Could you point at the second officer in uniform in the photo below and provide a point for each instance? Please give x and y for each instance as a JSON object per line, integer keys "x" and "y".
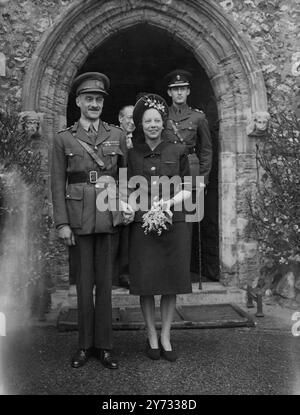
{"x": 187, "y": 125}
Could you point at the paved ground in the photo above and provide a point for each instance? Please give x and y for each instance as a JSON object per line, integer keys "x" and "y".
{"x": 261, "y": 360}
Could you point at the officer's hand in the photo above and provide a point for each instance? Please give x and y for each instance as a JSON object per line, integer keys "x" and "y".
{"x": 128, "y": 212}
{"x": 126, "y": 208}
{"x": 66, "y": 235}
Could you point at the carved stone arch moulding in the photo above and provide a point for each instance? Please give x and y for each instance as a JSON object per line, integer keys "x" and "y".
{"x": 203, "y": 28}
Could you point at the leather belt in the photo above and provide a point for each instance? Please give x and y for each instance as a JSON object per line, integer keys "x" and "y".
{"x": 89, "y": 177}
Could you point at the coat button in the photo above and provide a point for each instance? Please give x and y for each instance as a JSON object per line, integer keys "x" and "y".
{"x": 96, "y": 148}
{"x": 175, "y": 142}
{"x": 153, "y": 168}
{"x": 113, "y": 153}
{"x": 71, "y": 154}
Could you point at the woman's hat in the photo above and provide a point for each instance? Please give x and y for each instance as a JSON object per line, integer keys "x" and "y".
{"x": 150, "y": 101}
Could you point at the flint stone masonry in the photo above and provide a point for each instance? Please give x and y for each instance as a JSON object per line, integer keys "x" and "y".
{"x": 248, "y": 49}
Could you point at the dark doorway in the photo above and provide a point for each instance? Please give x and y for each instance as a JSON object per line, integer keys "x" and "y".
{"x": 137, "y": 60}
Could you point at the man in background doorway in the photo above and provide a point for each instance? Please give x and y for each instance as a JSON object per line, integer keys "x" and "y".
{"x": 127, "y": 125}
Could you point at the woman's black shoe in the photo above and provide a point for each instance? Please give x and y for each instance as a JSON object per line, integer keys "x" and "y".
{"x": 169, "y": 355}
{"x": 153, "y": 354}
{"x": 81, "y": 357}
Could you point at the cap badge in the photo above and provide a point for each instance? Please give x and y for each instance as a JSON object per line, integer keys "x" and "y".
{"x": 178, "y": 77}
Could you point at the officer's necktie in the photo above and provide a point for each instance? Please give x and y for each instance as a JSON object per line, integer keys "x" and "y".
{"x": 92, "y": 133}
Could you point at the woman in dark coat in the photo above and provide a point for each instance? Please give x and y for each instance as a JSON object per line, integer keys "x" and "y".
{"x": 159, "y": 263}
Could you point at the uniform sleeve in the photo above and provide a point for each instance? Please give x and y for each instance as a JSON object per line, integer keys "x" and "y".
{"x": 204, "y": 148}
{"x": 122, "y": 162}
{"x": 58, "y": 182}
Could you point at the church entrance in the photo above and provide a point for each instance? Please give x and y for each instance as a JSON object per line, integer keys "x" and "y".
{"x": 136, "y": 43}
{"x": 137, "y": 60}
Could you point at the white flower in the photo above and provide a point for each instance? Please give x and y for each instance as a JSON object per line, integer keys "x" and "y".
{"x": 156, "y": 219}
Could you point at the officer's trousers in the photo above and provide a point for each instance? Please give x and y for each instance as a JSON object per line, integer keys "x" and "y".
{"x": 96, "y": 256}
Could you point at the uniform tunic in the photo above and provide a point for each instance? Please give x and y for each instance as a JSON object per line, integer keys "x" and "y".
{"x": 190, "y": 127}
{"x": 159, "y": 264}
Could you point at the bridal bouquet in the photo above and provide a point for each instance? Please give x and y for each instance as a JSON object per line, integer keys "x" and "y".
{"x": 156, "y": 219}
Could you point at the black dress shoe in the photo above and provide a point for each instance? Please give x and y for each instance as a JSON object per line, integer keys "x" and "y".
{"x": 106, "y": 358}
{"x": 169, "y": 355}
{"x": 81, "y": 357}
{"x": 153, "y": 354}
{"x": 124, "y": 281}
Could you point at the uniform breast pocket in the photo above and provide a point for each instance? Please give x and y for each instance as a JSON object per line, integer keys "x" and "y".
{"x": 169, "y": 167}
{"x": 74, "y": 201}
{"x": 74, "y": 159}
{"x": 190, "y": 132}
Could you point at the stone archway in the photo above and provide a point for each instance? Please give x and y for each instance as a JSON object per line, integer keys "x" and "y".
{"x": 220, "y": 49}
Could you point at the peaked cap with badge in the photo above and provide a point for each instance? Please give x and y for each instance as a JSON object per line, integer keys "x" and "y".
{"x": 178, "y": 77}
{"x": 91, "y": 82}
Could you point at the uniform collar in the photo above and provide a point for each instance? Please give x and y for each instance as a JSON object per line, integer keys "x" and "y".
{"x": 103, "y": 132}
{"x": 180, "y": 109}
{"x": 179, "y": 113}
{"x": 86, "y": 124}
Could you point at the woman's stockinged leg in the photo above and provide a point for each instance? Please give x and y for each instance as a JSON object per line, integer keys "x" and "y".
{"x": 148, "y": 309}
{"x": 167, "y": 308}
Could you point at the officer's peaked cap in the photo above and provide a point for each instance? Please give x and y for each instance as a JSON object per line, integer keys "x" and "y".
{"x": 91, "y": 82}
{"x": 179, "y": 77}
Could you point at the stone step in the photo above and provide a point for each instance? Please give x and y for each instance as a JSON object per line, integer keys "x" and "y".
{"x": 211, "y": 293}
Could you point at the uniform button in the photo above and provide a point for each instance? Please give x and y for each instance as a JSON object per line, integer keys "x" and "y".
{"x": 113, "y": 153}
{"x": 175, "y": 142}
{"x": 68, "y": 196}
{"x": 96, "y": 148}
{"x": 153, "y": 168}
{"x": 71, "y": 154}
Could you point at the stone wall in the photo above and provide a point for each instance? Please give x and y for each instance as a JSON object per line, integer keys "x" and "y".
{"x": 270, "y": 29}
{"x": 269, "y": 25}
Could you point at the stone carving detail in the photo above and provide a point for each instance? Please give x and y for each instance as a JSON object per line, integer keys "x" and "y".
{"x": 30, "y": 122}
{"x": 258, "y": 125}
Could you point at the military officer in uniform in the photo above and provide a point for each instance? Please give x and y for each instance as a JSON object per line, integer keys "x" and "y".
{"x": 187, "y": 125}
{"x": 190, "y": 127}
{"x": 88, "y": 151}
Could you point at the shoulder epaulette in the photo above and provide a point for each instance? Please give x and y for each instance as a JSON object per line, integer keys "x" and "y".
{"x": 65, "y": 129}
{"x": 116, "y": 126}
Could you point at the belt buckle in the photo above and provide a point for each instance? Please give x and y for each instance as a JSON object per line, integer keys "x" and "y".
{"x": 93, "y": 176}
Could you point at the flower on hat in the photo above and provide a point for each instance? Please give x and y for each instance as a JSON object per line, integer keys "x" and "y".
{"x": 153, "y": 103}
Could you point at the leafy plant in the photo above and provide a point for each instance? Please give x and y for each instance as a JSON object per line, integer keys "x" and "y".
{"x": 275, "y": 209}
